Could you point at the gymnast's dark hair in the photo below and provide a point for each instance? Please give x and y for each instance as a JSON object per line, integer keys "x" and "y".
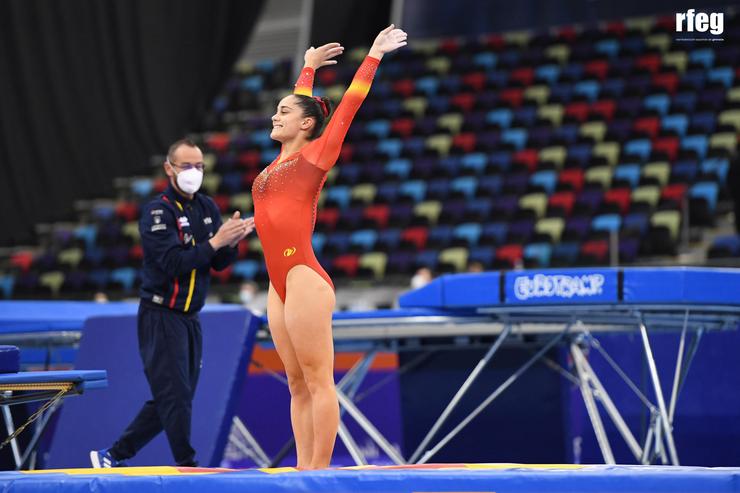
{"x": 312, "y": 108}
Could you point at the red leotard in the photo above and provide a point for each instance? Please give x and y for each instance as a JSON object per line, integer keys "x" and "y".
{"x": 286, "y": 192}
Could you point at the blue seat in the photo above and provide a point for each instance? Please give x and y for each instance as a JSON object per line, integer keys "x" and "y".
{"x": 365, "y": 238}
{"x": 573, "y": 70}
{"x": 568, "y": 132}
{"x": 428, "y": 85}
{"x": 390, "y": 237}
{"x": 491, "y": 184}
{"x": 694, "y": 78}
{"x": 6, "y": 285}
{"x": 526, "y": 115}
{"x": 482, "y": 254}
{"x": 717, "y": 166}
{"x": 588, "y": 88}
{"x": 613, "y": 87}
{"x": 678, "y": 123}
{"x": 608, "y": 47}
{"x": 540, "y": 252}
{"x": 498, "y": 78}
{"x": 470, "y": 232}
{"x": 415, "y": 189}
{"x": 486, "y": 60}
{"x": 318, "y": 240}
{"x": 142, "y": 187}
{"x": 261, "y": 138}
{"x": 252, "y": 83}
{"x": 350, "y": 173}
{"x": 566, "y": 252}
{"x": 391, "y": 108}
{"x": 705, "y": 122}
{"x": 125, "y": 276}
{"x": 606, "y": 222}
{"x": 636, "y": 221}
{"x": 703, "y": 56}
{"x": 580, "y": 152}
{"x": 628, "y": 172}
{"x": 480, "y": 207}
{"x": 390, "y": 147}
{"x": 685, "y": 101}
{"x": 639, "y": 147}
{"x": 501, "y": 117}
{"x": 501, "y": 160}
{"x": 725, "y": 75}
{"x": 548, "y": 73}
{"x": 561, "y": 92}
{"x": 441, "y": 235}
{"x": 658, "y": 102}
{"x": 246, "y": 269}
{"x": 696, "y": 143}
{"x": 339, "y": 194}
{"x": 338, "y": 241}
{"x": 476, "y": 161}
{"x": 438, "y": 104}
{"x": 398, "y": 167}
{"x": 427, "y": 258}
{"x": 547, "y": 179}
{"x": 379, "y": 128}
{"x": 684, "y": 171}
{"x": 465, "y": 184}
{"x": 706, "y": 190}
{"x": 99, "y": 278}
{"x": 88, "y": 233}
{"x": 497, "y": 230}
{"x": 439, "y": 187}
{"x": 451, "y": 164}
{"x": 515, "y": 136}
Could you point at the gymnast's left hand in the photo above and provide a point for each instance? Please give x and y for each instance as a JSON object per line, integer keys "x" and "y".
{"x": 389, "y": 39}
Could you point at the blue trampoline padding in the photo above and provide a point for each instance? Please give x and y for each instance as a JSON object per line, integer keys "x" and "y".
{"x": 86, "y": 379}
{"x": 380, "y": 314}
{"x": 10, "y": 359}
{"x": 514, "y": 478}
{"x": 682, "y": 285}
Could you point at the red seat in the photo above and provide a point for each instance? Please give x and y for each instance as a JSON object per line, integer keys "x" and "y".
{"x": 648, "y": 124}
{"x": 526, "y": 157}
{"x": 22, "y": 260}
{"x": 223, "y": 276}
{"x": 250, "y": 159}
{"x": 675, "y": 192}
{"x": 128, "y": 211}
{"x": 218, "y": 141}
{"x": 465, "y": 141}
{"x": 378, "y": 213}
{"x": 242, "y": 249}
{"x": 513, "y": 96}
{"x": 160, "y": 184}
{"x": 524, "y": 75}
{"x": 604, "y": 108}
{"x": 248, "y": 178}
{"x": 650, "y": 62}
{"x": 136, "y": 253}
{"x": 222, "y": 202}
{"x": 404, "y": 87}
{"x": 567, "y": 33}
{"x": 348, "y": 150}
{"x": 327, "y": 76}
{"x": 403, "y": 126}
{"x": 619, "y": 196}
{"x": 573, "y": 177}
{"x": 328, "y": 216}
{"x": 449, "y": 46}
{"x": 598, "y": 249}
{"x": 474, "y": 80}
{"x": 668, "y": 145}
{"x": 667, "y": 81}
{"x": 463, "y": 101}
{"x": 511, "y": 253}
{"x": 563, "y": 200}
{"x": 349, "y": 263}
{"x": 417, "y": 235}
{"x": 494, "y": 41}
{"x": 597, "y": 68}
{"x": 578, "y": 110}
{"x": 616, "y": 27}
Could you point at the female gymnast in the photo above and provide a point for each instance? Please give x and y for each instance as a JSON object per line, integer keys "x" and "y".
{"x": 301, "y": 298}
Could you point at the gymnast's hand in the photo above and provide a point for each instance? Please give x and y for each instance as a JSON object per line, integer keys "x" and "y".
{"x": 388, "y": 40}
{"x": 322, "y": 56}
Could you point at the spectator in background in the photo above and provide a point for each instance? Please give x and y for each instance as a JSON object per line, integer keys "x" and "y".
{"x": 421, "y": 278}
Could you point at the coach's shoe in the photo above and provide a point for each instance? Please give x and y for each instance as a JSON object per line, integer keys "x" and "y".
{"x": 102, "y": 458}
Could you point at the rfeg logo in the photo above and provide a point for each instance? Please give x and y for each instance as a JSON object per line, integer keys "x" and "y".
{"x": 691, "y": 21}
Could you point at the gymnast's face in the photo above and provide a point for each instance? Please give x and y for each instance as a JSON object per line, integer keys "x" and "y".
{"x": 289, "y": 122}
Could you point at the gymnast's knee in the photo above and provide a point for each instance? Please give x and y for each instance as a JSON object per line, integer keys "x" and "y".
{"x": 297, "y": 385}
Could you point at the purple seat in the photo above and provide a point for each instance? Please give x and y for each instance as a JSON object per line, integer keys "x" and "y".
{"x": 628, "y": 249}
{"x": 520, "y": 231}
{"x": 590, "y": 198}
{"x": 505, "y": 205}
{"x": 577, "y": 226}
{"x": 620, "y": 129}
{"x": 400, "y": 262}
{"x": 629, "y": 106}
{"x": 516, "y": 183}
{"x": 540, "y": 136}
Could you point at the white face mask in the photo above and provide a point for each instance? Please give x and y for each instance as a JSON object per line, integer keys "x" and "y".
{"x": 246, "y": 297}
{"x": 190, "y": 180}
{"x": 418, "y": 281}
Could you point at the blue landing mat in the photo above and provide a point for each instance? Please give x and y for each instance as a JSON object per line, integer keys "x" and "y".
{"x": 501, "y": 478}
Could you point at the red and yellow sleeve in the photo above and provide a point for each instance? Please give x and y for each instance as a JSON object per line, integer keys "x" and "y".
{"x": 304, "y": 84}
{"x": 324, "y": 151}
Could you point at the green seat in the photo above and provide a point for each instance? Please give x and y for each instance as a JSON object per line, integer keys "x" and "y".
{"x": 457, "y": 256}
{"x": 52, "y": 280}
{"x": 724, "y": 140}
{"x": 537, "y": 93}
{"x": 131, "y": 229}
{"x": 649, "y": 194}
{"x": 670, "y": 220}
{"x": 416, "y": 105}
{"x": 599, "y": 174}
{"x": 733, "y": 94}
{"x": 209, "y": 161}
{"x": 536, "y": 202}
{"x": 71, "y": 256}
{"x": 554, "y": 154}
{"x": 658, "y": 170}
{"x": 676, "y": 59}
{"x": 429, "y": 209}
{"x": 364, "y": 192}
{"x": 607, "y": 150}
{"x": 440, "y": 143}
{"x": 644, "y": 24}
{"x": 552, "y": 226}
{"x": 552, "y": 112}
{"x": 241, "y": 202}
{"x": 730, "y": 117}
{"x": 255, "y": 245}
{"x": 596, "y": 130}
{"x": 558, "y": 52}
{"x": 211, "y": 181}
{"x": 660, "y": 41}
{"x": 439, "y": 64}
{"x": 375, "y": 261}
{"x": 451, "y": 121}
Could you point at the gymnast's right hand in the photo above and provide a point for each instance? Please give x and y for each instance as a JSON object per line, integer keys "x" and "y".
{"x": 322, "y": 56}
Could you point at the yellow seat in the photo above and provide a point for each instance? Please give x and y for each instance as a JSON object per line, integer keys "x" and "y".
{"x": 416, "y": 105}
{"x": 668, "y": 219}
{"x": 649, "y": 194}
{"x": 596, "y": 130}
{"x": 241, "y": 202}
{"x": 335, "y": 92}
{"x": 644, "y": 24}
{"x": 536, "y": 202}
{"x": 430, "y": 209}
{"x": 730, "y": 117}
{"x": 659, "y": 41}
{"x": 659, "y": 170}
{"x": 211, "y": 181}
{"x": 552, "y": 226}
{"x": 364, "y": 192}
{"x": 52, "y": 280}
{"x": 676, "y": 59}
{"x": 457, "y": 256}
{"x": 451, "y": 121}
{"x": 209, "y": 161}
{"x": 733, "y": 94}
{"x": 538, "y": 93}
{"x": 552, "y": 112}
{"x": 554, "y": 154}
{"x": 375, "y": 261}
{"x": 425, "y": 46}
{"x": 357, "y": 54}
{"x": 558, "y": 52}
{"x": 600, "y": 174}
{"x": 71, "y": 256}
{"x": 607, "y": 150}
{"x": 255, "y": 245}
{"x": 131, "y": 229}
{"x": 440, "y": 143}
{"x": 724, "y": 140}
{"x": 439, "y": 64}
{"x": 520, "y": 38}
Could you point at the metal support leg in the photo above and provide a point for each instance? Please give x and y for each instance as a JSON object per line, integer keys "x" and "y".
{"x": 659, "y": 396}
{"x": 593, "y": 411}
{"x": 352, "y": 447}
{"x": 252, "y": 447}
{"x": 677, "y": 374}
{"x": 494, "y": 395}
{"x": 461, "y": 392}
{"x": 369, "y": 428}
{"x": 8, "y": 417}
